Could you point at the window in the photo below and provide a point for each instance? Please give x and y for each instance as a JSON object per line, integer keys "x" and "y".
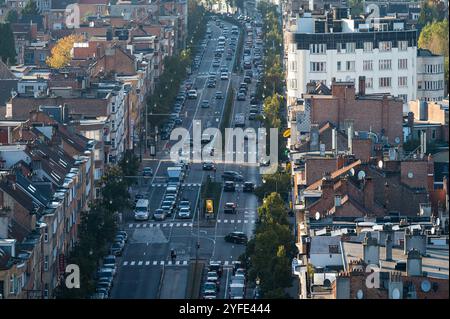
{"x": 333, "y": 249}
{"x": 340, "y": 48}
{"x": 55, "y": 226}
{"x": 385, "y": 82}
{"x": 419, "y": 85}
{"x": 113, "y": 125}
{"x": 293, "y": 84}
{"x": 318, "y": 66}
{"x": 46, "y": 234}
{"x": 113, "y": 107}
{"x": 369, "y": 83}
{"x": 433, "y": 134}
{"x": 294, "y": 66}
{"x": 368, "y": 46}
{"x": 339, "y": 65}
{"x": 404, "y": 97}
{"x": 368, "y": 65}
{"x": 11, "y": 284}
{"x": 385, "y": 46}
{"x": 403, "y": 64}
{"x": 350, "y": 65}
{"x": 350, "y": 47}
{"x": 402, "y": 45}
{"x": 402, "y": 81}
{"x": 113, "y": 143}
{"x": 319, "y": 48}
{"x": 385, "y": 65}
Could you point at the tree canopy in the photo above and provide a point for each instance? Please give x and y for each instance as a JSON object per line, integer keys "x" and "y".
{"x": 7, "y": 47}
{"x": 12, "y": 16}
{"x": 30, "y": 8}
{"x": 430, "y": 12}
{"x": 61, "y": 52}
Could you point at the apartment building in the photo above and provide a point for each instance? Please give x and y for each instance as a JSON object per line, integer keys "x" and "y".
{"x": 430, "y": 76}
{"x": 334, "y": 46}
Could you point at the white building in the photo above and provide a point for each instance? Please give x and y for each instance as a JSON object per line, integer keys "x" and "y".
{"x": 430, "y": 76}
{"x": 323, "y": 48}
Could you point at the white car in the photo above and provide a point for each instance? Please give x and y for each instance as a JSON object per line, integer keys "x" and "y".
{"x": 192, "y": 94}
{"x": 224, "y": 76}
{"x": 184, "y": 212}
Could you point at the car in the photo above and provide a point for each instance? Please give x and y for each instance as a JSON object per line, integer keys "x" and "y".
{"x": 210, "y": 287}
{"x": 247, "y": 79}
{"x": 205, "y": 104}
{"x": 123, "y": 233}
{"x": 102, "y": 288}
{"x": 192, "y": 94}
{"x": 159, "y": 214}
{"x": 106, "y": 272}
{"x": 212, "y": 276}
{"x": 216, "y": 64}
{"x": 184, "y": 203}
{"x": 236, "y": 238}
{"x": 208, "y": 166}
{"x": 110, "y": 262}
{"x": 236, "y": 265}
{"x": 219, "y": 95}
{"x": 211, "y": 84}
{"x": 147, "y": 171}
{"x": 229, "y": 186}
{"x": 230, "y": 208}
{"x": 184, "y": 212}
{"x": 216, "y": 266}
{"x": 229, "y": 57}
{"x": 209, "y": 295}
{"x": 232, "y": 176}
{"x": 249, "y": 73}
{"x": 119, "y": 240}
{"x": 224, "y": 76}
{"x": 239, "y": 272}
{"x": 249, "y": 187}
{"x": 116, "y": 249}
{"x": 169, "y": 197}
{"x": 240, "y": 96}
{"x": 167, "y": 207}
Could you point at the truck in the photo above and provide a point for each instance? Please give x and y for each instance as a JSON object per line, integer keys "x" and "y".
{"x": 175, "y": 174}
{"x": 239, "y": 120}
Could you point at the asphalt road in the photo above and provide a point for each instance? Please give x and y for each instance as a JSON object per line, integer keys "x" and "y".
{"x": 146, "y": 270}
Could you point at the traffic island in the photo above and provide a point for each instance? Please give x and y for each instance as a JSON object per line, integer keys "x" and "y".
{"x": 195, "y": 278}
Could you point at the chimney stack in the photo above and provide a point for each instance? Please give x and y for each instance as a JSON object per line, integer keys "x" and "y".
{"x": 362, "y": 85}
{"x": 414, "y": 263}
{"x": 371, "y": 250}
{"x": 410, "y": 119}
{"x": 368, "y": 194}
{"x": 334, "y": 141}
{"x": 388, "y": 247}
{"x": 314, "y": 138}
{"x": 350, "y": 138}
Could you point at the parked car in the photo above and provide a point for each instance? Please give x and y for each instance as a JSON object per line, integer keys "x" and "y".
{"x": 224, "y": 76}
{"x": 205, "y": 104}
{"x": 123, "y": 233}
{"x": 116, "y": 249}
{"x": 236, "y": 238}
{"x": 109, "y": 262}
{"x": 232, "y": 176}
{"x": 210, "y": 287}
{"x": 212, "y": 276}
{"x": 219, "y": 95}
{"x": 240, "y": 96}
{"x": 216, "y": 266}
{"x": 192, "y": 94}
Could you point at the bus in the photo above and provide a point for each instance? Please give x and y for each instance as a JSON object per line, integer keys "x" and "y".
{"x": 209, "y": 207}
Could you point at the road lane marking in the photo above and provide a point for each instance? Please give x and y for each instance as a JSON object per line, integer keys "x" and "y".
{"x": 158, "y": 225}
{"x": 140, "y": 263}
{"x": 125, "y": 263}
{"x": 132, "y": 263}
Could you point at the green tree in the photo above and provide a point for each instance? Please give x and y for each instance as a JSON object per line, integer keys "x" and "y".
{"x": 279, "y": 182}
{"x": 115, "y": 195}
{"x": 430, "y": 12}
{"x": 273, "y": 210}
{"x": 7, "y": 46}
{"x": 12, "y": 16}
{"x": 356, "y": 7}
{"x": 30, "y": 8}
{"x": 129, "y": 166}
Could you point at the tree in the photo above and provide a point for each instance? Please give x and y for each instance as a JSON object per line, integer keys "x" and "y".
{"x": 12, "y": 16}
{"x": 7, "y": 46}
{"x": 61, "y": 52}
{"x": 430, "y": 12}
{"x": 115, "y": 195}
{"x": 273, "y": 210}
{"x": 356, "y": 7}
{"x": 129, "y": 166}
{"x": 30, "y": 8}
{"x": 434, "y": 37}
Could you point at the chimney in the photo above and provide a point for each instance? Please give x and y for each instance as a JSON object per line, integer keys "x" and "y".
{"x": 334, "y": 140}
{"x": 371, "y": 250}
{"x": 430, "y": 173}
{"x": 4, "y": 222}
{"x": 414, "y": 263}
{"x": 310, "y": 87}
{"x": 342, "y": 286}
{"x": 362, "y": 85}
{"x": 350, "y": 138}
{"x": 368, "y": 194}
{"x": 388, "y": 246}
{"x": 340, "y": 162}
{"x": 314, "y": 138}
{"x": 395, "y": 285}
{"x": 415, "y": 240}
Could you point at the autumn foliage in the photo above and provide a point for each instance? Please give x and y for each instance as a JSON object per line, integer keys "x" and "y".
{"x": 61, "y": 52}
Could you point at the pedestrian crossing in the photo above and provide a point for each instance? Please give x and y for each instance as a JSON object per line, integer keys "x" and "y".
{"x": 236, "y": 221}
{"x": 159, "y": 225}
{"x": 148, "y": 263}
{"x": 151, "y": 263}
{"x": 184, "y": 185}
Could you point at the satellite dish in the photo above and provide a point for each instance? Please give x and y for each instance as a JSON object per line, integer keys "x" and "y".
{"x": 361, "y": 175}
{"x": 380, "y": 164}
{"x": 360, "y": 294}
{"x": 352, "y": 172}
{"x": 317, "y": 215}
{"x": 397, "y": 140}
{"x": 425, "y": 286}
{"x": 395, "y": 293}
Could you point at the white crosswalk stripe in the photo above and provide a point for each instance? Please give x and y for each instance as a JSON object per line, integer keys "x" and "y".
{"x": 162, "y": 262}
{"x": 239, "y": 221}
{"x": 232, "y": 221}
{"x": 132, "y": 263}
{"x": 246, "y": 221}
{"x": 171, "y": 224}
{"x": 140, "y": 263}
{"x": 155, "y": 263}
{"x": 225, "y": 263}
{"x": 147, "y": 263}
{"x": 225, "y": 221}
{"x": 125, "y": 263}
{"x": 185, "y": 262}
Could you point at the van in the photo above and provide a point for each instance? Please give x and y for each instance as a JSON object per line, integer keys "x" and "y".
{"x": 141, "y": 211}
